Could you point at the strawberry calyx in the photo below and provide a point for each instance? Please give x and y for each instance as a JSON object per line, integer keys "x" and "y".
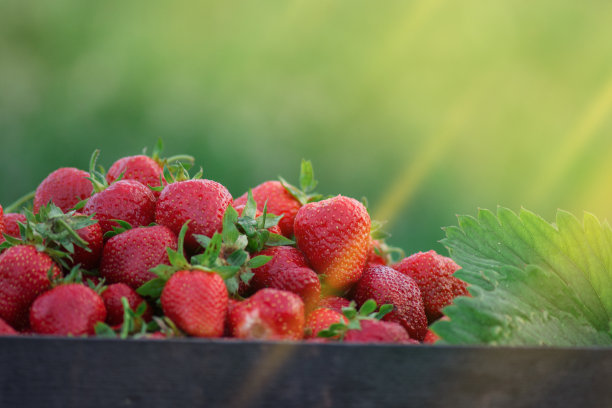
{"x": 53, "y": 232}
{"x": 173, "y": 173}
{"x": 305, "y": 194}
{"x": 367, "y": 311}
{"x": 133, "y": 324}
{"x": 170, "y": 162}
{"x": 122, "y": 227}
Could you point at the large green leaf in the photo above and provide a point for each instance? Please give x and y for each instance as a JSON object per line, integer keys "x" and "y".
{"x": 532, "y": 283}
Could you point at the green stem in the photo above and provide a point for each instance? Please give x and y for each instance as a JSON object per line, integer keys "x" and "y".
{"x": 20, "y": 202}
{"x": 180, "y": 158}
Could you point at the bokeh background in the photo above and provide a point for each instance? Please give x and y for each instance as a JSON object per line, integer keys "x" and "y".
{"x": 429, "y": 108}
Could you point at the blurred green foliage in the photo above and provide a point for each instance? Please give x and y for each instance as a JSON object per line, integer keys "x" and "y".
{"x": 458, "y": 104}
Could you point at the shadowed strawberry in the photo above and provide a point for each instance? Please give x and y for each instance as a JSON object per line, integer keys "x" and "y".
{"x": 434, "y": 275}
{"x": 128, "y": 256}
{"x": 365, "y": 326}
{"x": 334, "y": 234}
{"x": 376, "y": 331}
{"x": 430, "y": 337}
{"x": 65, "y": 188}
{"x": 386, "y": 285}
{"x": 269, "y": 314}
{"x": 6, "y": 330}
{"x": 114, "y": 308}
{"x": 89, "y": 257}
{"x": 144, "y": 169}
{"x": 202, "y": 202}
{"x": 287, "y": 270}
{"x": 67, "y": 309}
{"x": 284, "y": 199}
{"x": 11, "y": 224}
{"x": 334, "y": 303}
{"x": 321, "y": 319}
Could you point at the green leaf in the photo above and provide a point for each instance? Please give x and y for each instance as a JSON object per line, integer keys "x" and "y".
{"x": 152, "y": 288}
{"x": 104, "y": 330}
{"x": 278, "y": 240}
{"x": 238, "y": 258}
{"x": 230, "y": 233}
{"x": 250, "y": 208}
{"x": 259, "y": 260}
{"x": 532, "y": 282}
{"x": 368, "y": 307}
{"x": 307, "y": 180}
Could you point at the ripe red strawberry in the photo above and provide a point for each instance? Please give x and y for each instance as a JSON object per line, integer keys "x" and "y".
{"x": 6, "y": 330}
{"x": 196, "y": 301}
{"x": 287, "y": 270}
{"x": 321, "y": 319}
{"x": 65, "y": 187}
{"x": 114, "y": 308}
{"x": 280, "y": 202}
{"x": 378, "y": 331}
{"x": 23, "y": 276}
{"x": 386, "y": 285}
{"x": 334, "y": 303}
{"x": 334, "y": 234}
{"x": 430, "y": 337}
{"x": 434, "y": 275}
{"x": 270, "y": 314}
{"x": 92, "y": 234}
{"x": 68, "y": 309}
{"x": 126, "y": 200}
{"x": 203, "y": 202}
{"x": 128, "y": 256}
{"x": 11, "y": 226}
{"x": 140, "y": 168}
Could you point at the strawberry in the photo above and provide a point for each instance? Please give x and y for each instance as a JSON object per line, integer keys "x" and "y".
{"x": 386, "y": 285}
{"x": 240, "y": 209}
{"x": 11, "y": 226}
{"x": 430, "y": 337}
{"x": 334, "y": 303}
{"x": 279, "y": 201}
{"x": 434, "y": 275}
{"x": 202, "y": 202}
{"x": 334, "y": 234}
{"x": 147, "y": 170}
{"x": 283, "y": 198}
{"x": 196, "y": 301}
{"x": 24, "y": 274}
{"x": 6, "y": 330}
{"x": 269, "y": 314}
{"x": 287, "y": 270}
{"x": 65, "y": 187}
{"x": 378, "y": 331}
{"x": 67, "y": 309}
{"x": 88, "y": 258}
{"x": 114, "y": 308}
{"x": 375, "y": 255}
{"x": 126, "y": 200}
{"x": 321, "y": 319}
{"x": 127, "y": 257}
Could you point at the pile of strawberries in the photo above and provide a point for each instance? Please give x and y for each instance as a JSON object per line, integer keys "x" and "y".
{"x": 145, "y": 250}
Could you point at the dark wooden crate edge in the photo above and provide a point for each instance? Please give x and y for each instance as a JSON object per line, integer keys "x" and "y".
{"x": 76, "y": 372}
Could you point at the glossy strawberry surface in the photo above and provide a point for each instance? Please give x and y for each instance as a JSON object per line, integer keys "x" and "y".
{"x": 321, "y": 319}
{"x": 65, "y": 187}
{"x": 140, "y": 168}
{"x": 89, "y": 259}
{"x": 127, "y": 200}
{"x": 377, "y": 331}
{"x": 196, "y": 302}
{"x": 70, "y": 309}
{"x": 270, "y": 314}
{"x": 334, "y": 234}
{"x": 23, "y": 276}
{"x": 128, "y": 257}
{"x": 280, "y": 202}
{"x": 434, "y": 275}
{"x": 202, "y": 202}
{"x": 386, "y": 285}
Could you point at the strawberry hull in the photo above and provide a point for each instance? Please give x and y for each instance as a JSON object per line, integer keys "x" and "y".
{"x": 73, "y": 372}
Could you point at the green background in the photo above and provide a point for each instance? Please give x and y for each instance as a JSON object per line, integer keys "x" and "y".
{"x": 428, "y": 108}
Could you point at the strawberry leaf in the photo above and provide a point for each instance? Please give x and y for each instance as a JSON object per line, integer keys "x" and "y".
{"x": 532, "y": 282}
